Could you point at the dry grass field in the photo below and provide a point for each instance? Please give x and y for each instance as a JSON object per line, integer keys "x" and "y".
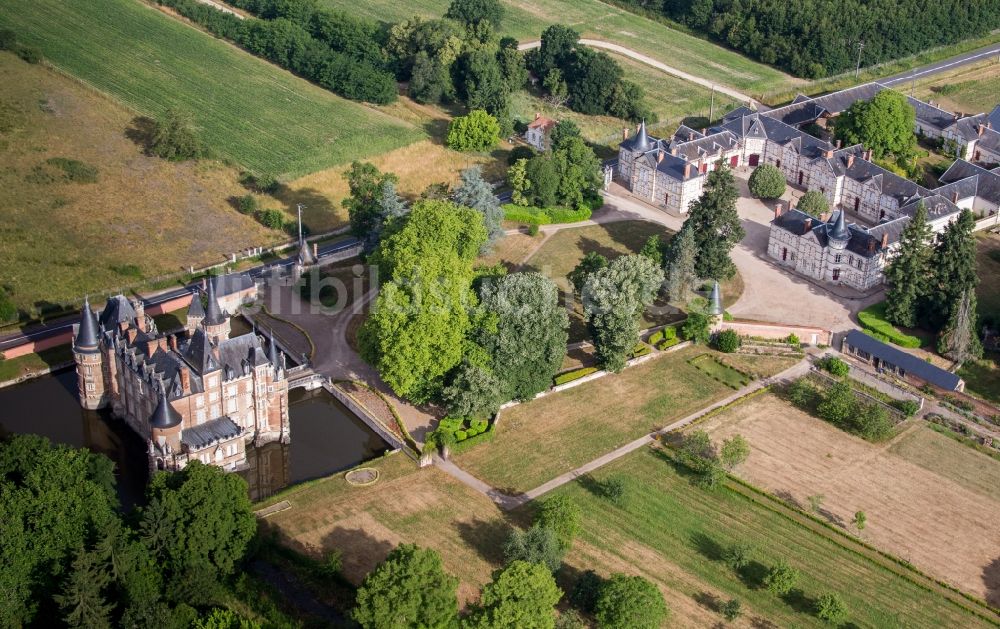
{"x": 60, "y": 239}
{"x": 970, "y": 89}
{"x": 406, "y": 505}
{"x": 929, "y": 499}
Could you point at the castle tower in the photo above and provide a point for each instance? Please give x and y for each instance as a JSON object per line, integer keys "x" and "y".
{"x": 715, "y": 310}
{"x": 839, "y": 235}
{"x": 165, "y": 431}
{"x": 195, "y": 313}
{"x": 89, "y": 360}
{"x": 215, "y": 323}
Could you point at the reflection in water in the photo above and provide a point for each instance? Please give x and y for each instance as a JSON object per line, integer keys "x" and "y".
{"x": 326, "y": 437}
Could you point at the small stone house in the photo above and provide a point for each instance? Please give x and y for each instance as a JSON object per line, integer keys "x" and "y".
{"x": 539, "y": 129}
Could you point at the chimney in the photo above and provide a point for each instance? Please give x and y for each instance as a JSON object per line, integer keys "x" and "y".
{"x": 151, "y": 346}
{"x": 954, "y": 195}
{"x": 690, "y": 136}
{"x": 980, "y": 128}
{"x": 703, "y": 131}
{"x": 315, "y": 250}
{"x": 185, "y": 379}
{"x": 885, "y": 240}
{"x": 989, "y": 124}
{"x": 957, "y": 115}
{"x": 131, "y": 333}
{"x": 162, "y": 343}
{"x": 871, "y": 245}
{"x": 777, "y": 210}
{"x": 868, "y": 155}
{"x": 837, "y": 144}
{"x": 204, "y": 284}
{"x": 624, "y": 133}
{"x": 537, "y": 115}
{"x": 828, "y": 154}
{"x": 673, "y": 150}
{"x": 850, "y": 160}
{"x": 687, "y": 170}
{"x": 659, "y": 156}
{"x": 807, "y": 225}
{"x": 824, "y": 217}
{"x": 172, "y": 341}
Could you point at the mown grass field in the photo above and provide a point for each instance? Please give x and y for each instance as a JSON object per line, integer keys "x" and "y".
{"x": 672, "y": 532}
{"x": 538, "y": 440}
{"x": 526, "y": 19}
{"x": 971, "y": 89}
{"x": 143, "y": 217}
{"x": 249, "y": 111}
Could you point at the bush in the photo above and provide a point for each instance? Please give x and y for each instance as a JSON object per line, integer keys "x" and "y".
{"x": 834, "y": 365}
{"x": 8, "y": 311}
{"x": 174, "y": 137}
{"x": 274, "y": 219}
{"x": 906, "y": 407}
{"x": 29, "y": 54}
{"x": 767, "y": 182}
{"x": 545, "y": 216}
{"x": 614, "y": 489}
{"x": 461, "y": 435}
{"x": 739, "y": 555}
{"x": 8, "y": 39}
{"x": 696, "y": 328}
{"x": 667, "y": 344}
{"x": 728, "y": 341}
{"x": 781, "y": 578}
{"x": 247, "y": 204}
{"x": 586, "y": 592}
{"x": 831, "y": 609}
{"x": 533, "y": 230}
{"x": 478, "y": 131}
{"x": 873, "y": 320}
{"x": 731, "y": 609}
{"x": 576, "y": 374}
{"x": 630, "y": 602}
{"x": 641, "y": 349}
{"x": 791, "y": 339}
{"x": 74, "y": 170}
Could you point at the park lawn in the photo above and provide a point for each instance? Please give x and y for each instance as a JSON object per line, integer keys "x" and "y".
{"x": 34, "y": 363}
{"x": 511, "y": 251}
{"x": 720, "y": 371}
{"x": 988, "y": 270}
{"x": 248, "y": 110}
{"x": 971, "y": 89}
{"x": 61, "y": 239}
{"x": 951, "y": 459}
{"x": 171, "y": 321}
{"x": 406, "y": 505}
{"x": 672, "y": 532}
{"x": 538, "y": 440}
{"x": 526, "y": 19}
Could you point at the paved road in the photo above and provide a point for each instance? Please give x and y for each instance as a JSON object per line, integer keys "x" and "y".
{"x": 659, "y": 65}
{"x": 61, "y": 325}
{"x": 941, "y": 66}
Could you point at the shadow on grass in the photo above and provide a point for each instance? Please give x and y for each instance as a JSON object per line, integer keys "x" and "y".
{"x": 487, "y": 537}
{"x": 140, "y": 131}
{"x": 797, "y": 600}
{"x": 709, "y": 601}
{"x": 752, "y": 575}
{"x": 706, "y": 545}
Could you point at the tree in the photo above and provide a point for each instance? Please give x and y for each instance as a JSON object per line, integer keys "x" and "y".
{"x": 555, "y": 86}
{"x": 483, "y": 86}
{"x": 728, "y": 341}
{"x": 175, "y": 138}
{"x": 82, "y": 599}
{"x": 578, "y": 170}
{"x": 220, "y": 618}
{"x": 408, "y": 589}
{"x": 716, "y": 226}
{"x": 814, "y": 203}
{"x": 680, "y": 263}
{"x": 198, "y": 523}
{"x": 415, "y": 333}
{"x": 558, "y": 44}
{"x": 589, "y": 78}
{"x": 816, "y": 502}
{"x": 883, "y": 124}
{"x": 520, "y": 184}
{"x": 477, "y": 131}
{"x": 562, "y": 132}
{"x": 839, "y": 405}
{"x": 834, "y": 365}
{"x": 739, "y": 555}
{"x": 613, "y": 299}
{"x": 954, "y": 270}
{"x": 430, "y": 81}
{"x": 524, "y": 332}
{"x": 831, "y": 609}
{"x": 521, "y": 596}
{"x": 471, "y": 12}
{"x": 959, "y": 339}
{"x": 544, "y": 177}
{"x": 364, "y": 203}
{"x": 781, "y": 578}
{"x": 731, "y": 609}
{"x": 734, "y": 452}
{"x": 512, "y": 64}
{"x": 907, "y": 275}
{"x": 630, "y": 603}
{"x": 473, "y": 391}
{"x": 561, "y": 515}
{"x": 591, "y": 263}
{"x": 653, "y": 249}
{"x": 474, "y": 192}
{"x": 538, "y": 545}
{"x": 860, "y": 520}
{"x": 767, "y": 182}
{"x": 697, "y": 328}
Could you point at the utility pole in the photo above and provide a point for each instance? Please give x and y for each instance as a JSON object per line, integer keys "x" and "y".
{"x": 711, "y": 111}
{"x": 857, "y": 72}
{"x": 913, "y": 81}
{"x": 300, "y": 207}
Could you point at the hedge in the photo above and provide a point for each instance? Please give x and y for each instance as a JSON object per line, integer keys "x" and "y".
{"x": 667, "y": 344}
{"x": 576, "y": 374}
{"x": 544, "y": 216}
{"x": 666, "y": 334}
{"x": 641, "y": 349}
{"x": 873, "y": 321}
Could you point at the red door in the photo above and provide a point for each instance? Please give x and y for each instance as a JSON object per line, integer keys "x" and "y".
{"x": 734, "y": 161}
{"x": 801, "y": 175}
{"x": 754, "y": 159}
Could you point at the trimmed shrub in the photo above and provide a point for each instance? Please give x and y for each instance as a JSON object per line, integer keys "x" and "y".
{"x": 873, "y": 321}
{"x": 641, "y": 349}
{"x": 545, "y": 216}
{"x": 461, "y": 435}
{"x": 576, "y": 374}
{"x": 478, "y": 131}
{"x": 834, "y": 365}
{"x": 728, "y": 341}
{"x": 767, "y": 182}
{"x": 668, "y": 343}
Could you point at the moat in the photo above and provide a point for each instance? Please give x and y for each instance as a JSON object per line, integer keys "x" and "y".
{"x": 326, "y": 437}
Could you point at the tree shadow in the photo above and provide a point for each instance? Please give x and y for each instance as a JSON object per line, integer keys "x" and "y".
{"x": 487, "y": 537}
{"x": 752, "y": 575}
{"x": 709, "y": 601}
{"x": 314, "y": 202}
{"x": 831, "y": 517}
{"x": 582, "y": 356}
{"x": 787, "y": 497}
{"x": 586, "y": 245}
{"x": 991, "y": 578}
{"x": 797, "y": 600}
{"x": 758, "y": 622}
{"x": 140, "y": 131}
{"x": 706, "y": 545}
{"x": 360, "y": 551}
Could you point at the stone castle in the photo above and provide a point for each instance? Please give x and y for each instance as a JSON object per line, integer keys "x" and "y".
{"x": 194, "y": 395}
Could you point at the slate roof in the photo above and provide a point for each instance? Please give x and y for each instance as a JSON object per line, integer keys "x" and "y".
{"x": 641, "y": 141}
{"x": 232, "y": 283}
{"x": 862, "y": 242}
{"x": 236, "y": 355}
{"x": 972, "y": 180}
{"x": 213, "y": 313}
{"x": 909, "y": 363}
{"x": 994, "y": 117}
{"x": 196, "y": 309}
{"x": 88, "y": 336}
{"x": 164, "y": 415}
{"x": 117, "y": 310}
{"x": 212, "y": 431}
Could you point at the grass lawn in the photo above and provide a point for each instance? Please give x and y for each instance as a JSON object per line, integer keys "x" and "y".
{"x": 61, "y": 239}
{"x": 526, "y": 19}
{"x": 538, "y": 440}
{"x": 32, "y": 363}
{"x": 425, "y": 507}
{"x": 248, "y": 110}
{"x": 970, "y": 89}
{"x": 562, "y": 251}
{"x": 982, "y": 377}
{"x": 951, "y": 459}
{"x": 673, "y": 533}
{"x": 169, "y": 321}
{"x": 717, "y": 370}
{"x": 988, "y": 269}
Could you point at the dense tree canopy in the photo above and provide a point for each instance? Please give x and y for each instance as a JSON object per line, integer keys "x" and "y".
{"x": 680, "y": 259}
{"x": 415, "y": 333}
{"x": 521, "y": 596}
{"x": 538, "y": 545}
{"x": 364, "y": 202}
{"x": 408, "y": 589}
{"x": 908, "y": 274}
{"x": 630, "y": 602}
{"x": 477, "y": 131}
{"x": 953, "y": 270}
{"x": 716, "y": 226}
{"x": 566, "y": 176}
{"x": 474, "y": 192}
{"x": 814, "y": 203}
{"x": 471, "y": 12}
{"x": 883, "y": 124}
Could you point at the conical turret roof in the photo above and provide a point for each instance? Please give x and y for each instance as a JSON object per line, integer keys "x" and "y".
{"x": 840, "y": 231}
{"x": 165, "y": 415}
{"x": 88, "y": 336}
{"x": 213, "y": 313}
{"x": 196, "y": 309}
{"x": 640, "y": 142}
{"x": 715, "y": 301}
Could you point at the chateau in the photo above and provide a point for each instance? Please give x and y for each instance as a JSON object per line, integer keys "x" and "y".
{"x": 195, "y": 395}
{"x": 670, "y": 173}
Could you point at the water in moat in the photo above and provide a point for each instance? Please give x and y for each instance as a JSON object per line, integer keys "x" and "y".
{"x": 326, "y": 436}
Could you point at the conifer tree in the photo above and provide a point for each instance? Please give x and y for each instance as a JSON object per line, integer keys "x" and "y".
{"x": 953, "y": 267}
{"x": 82, "y": 598}
{"x": 959, "y": 340}
{"x": 681, "y": 276}
{"x": 716, "y": 226}
{"x": 477, "y": 194}
{"x": 907, "y": 274}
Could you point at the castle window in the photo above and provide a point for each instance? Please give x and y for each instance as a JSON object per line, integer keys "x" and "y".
{"x": 90, "y": 386}
{"x": 200, "y": 416}
{"x": 837, "y": 258}
{"x": 232, "y": 405}
{"x": 200, "y": 401}
{"x": 214, "y": 395}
